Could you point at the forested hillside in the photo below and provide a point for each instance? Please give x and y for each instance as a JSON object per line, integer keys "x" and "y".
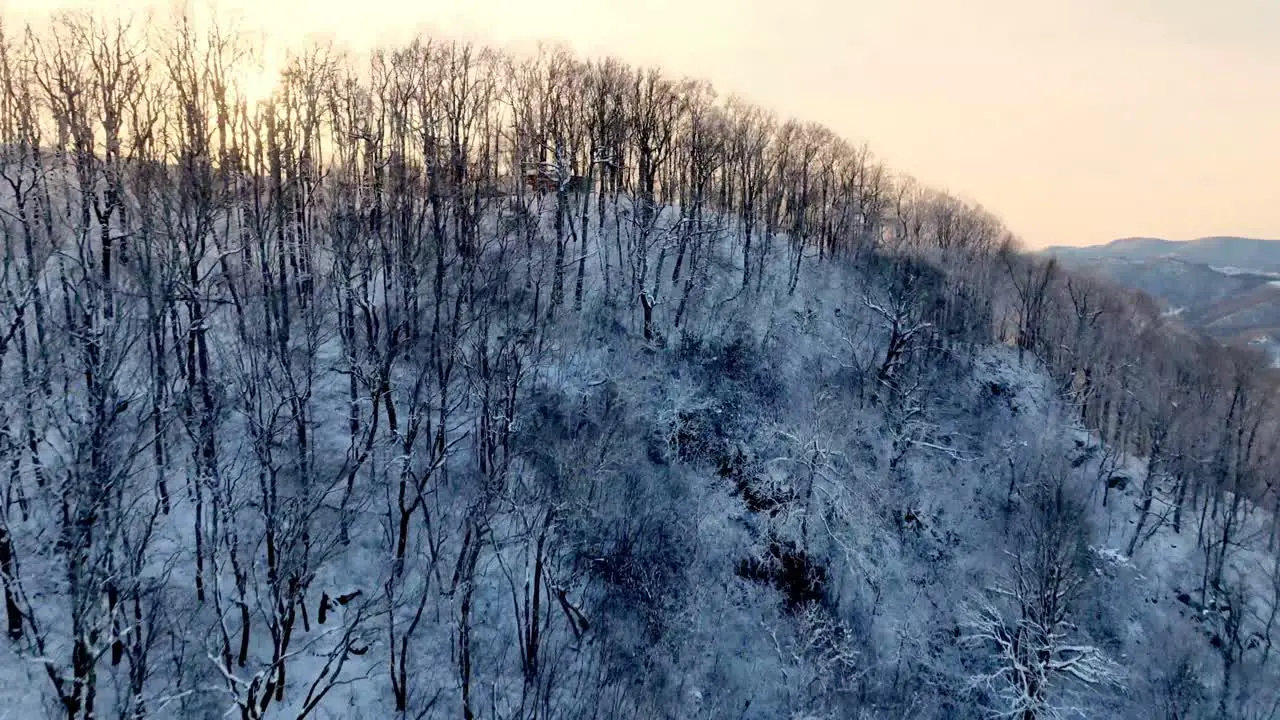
{"x": 449, "y": 383}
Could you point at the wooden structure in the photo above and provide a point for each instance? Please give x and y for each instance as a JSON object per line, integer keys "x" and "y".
{"x": 541, "y": 181}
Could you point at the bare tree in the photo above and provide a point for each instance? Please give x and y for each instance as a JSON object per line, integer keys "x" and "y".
{"x": 1031, "y": 281}
{"x": 750, "y": 132}
{"x": 1025, "y": 620}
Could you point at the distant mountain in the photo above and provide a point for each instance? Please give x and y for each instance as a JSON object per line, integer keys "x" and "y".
{"x": 1249, "y": 254}
{"x": 1227, "y": 286}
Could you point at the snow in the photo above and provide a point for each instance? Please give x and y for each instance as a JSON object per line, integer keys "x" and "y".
{"x": 895, "y": 583}
{"x": 1228, "y": 270}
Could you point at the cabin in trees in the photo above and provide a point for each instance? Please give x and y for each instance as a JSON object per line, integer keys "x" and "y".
{"x": 541, "y": 181}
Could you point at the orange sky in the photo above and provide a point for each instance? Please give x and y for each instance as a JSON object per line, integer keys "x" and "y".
{"x": 1077, "y": 121}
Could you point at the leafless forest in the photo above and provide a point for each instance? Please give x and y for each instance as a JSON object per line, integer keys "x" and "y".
{"x": 450, "y": 383}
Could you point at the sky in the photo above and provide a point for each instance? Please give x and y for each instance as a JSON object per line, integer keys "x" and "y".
{"x": 1076, "y": 121}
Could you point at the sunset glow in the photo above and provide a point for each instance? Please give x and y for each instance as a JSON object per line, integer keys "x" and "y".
{"x": 259, "y": 79}
{"x": 1076, "y": 120}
